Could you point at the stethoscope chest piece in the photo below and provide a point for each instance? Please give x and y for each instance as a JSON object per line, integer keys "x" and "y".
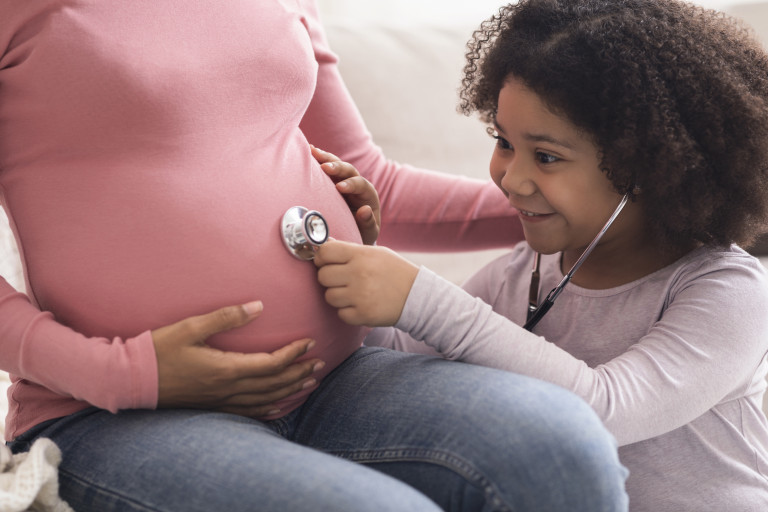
{"x": 303, "y": 231}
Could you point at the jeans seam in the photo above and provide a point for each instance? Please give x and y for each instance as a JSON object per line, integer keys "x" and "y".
{"x": 98, "y": 489}
{"x": 447, "y": 460}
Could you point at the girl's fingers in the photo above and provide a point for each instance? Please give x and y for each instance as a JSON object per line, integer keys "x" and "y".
{"x": 333, "y": 251}
{"x": 338, "y": 298}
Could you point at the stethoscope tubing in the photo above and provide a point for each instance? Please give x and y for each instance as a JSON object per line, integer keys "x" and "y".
{"x": 535, "y": 315}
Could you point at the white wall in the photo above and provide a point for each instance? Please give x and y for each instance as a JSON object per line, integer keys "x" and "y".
{"x": 440, "y": 12}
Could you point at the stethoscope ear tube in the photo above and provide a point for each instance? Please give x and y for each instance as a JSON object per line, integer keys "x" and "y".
{"x": 535, "y": 315}
{"x": 538, "y": 313}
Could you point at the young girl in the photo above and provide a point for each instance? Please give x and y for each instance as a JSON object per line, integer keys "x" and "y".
{"x": 663, "y": 329}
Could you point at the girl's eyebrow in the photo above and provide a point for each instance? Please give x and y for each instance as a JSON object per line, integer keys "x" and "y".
{"x": 538, "y": 138}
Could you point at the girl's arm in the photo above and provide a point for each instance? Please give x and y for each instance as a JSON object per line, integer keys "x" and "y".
{"x": 421, "y": 210}
{"x": 389, "y": 337}
{"x": 705, "y": 349}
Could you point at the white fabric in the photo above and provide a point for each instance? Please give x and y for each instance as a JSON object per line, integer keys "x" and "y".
{"x": 29, "y": 481}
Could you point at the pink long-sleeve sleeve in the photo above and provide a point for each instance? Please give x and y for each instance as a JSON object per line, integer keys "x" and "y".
{"x": 52, "y": 357}
{"x": 422, "y": 210}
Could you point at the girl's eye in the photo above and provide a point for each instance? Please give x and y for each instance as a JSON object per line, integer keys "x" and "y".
{"x": 546, "y": 158}
{"x": 501, "y": 142}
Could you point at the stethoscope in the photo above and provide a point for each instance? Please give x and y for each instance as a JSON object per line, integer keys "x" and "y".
{"x": 303, "y": 231}
{"x": 536, "y": 312}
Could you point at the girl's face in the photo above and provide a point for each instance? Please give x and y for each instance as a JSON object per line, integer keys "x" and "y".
{"x": 550, "y": 171}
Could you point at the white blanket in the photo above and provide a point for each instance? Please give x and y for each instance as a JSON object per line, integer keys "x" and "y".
{"x": 29, "y": 481}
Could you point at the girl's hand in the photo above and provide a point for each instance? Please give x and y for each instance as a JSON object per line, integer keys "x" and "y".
{"x": 358, "y": 192}
{"x": 369, "y": 285}
{"x": 193, "y": 375}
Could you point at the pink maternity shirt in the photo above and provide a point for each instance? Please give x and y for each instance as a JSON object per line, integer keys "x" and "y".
{"x": 148, "y": 151}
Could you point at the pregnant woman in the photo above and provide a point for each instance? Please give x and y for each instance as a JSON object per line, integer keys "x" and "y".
{"x": 148, "y": 151}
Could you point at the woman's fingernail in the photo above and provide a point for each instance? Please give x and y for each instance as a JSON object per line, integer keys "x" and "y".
{"x": 308, "y": 384}
{"x": 253, "y": 308}
{"x": 343, "y": 185}
{"x": 310, "y": 346}
{"x": 318, "y": 366}
{"x": 272, "y": 412}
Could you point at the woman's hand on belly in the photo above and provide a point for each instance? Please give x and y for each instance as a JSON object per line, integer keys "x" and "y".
{"x": 192, "y": 374}
{"x": 358, "y": 192}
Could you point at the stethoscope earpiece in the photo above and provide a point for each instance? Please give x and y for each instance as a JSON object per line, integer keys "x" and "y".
{"x": 302, "y": 231}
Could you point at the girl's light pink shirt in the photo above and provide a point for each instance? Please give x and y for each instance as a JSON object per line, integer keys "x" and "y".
{"x": 147, "y": 153}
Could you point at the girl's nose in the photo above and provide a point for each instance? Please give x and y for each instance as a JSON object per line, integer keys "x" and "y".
{"x": 517, "y": 178}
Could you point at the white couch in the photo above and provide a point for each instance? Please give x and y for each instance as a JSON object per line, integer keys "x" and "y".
{"x": 405, "y": 81}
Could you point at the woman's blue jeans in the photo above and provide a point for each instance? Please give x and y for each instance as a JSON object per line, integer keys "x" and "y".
{"x": 386, "y": 431}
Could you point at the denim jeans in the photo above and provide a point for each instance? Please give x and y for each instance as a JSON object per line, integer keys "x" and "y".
{"x": 385, "y": 431}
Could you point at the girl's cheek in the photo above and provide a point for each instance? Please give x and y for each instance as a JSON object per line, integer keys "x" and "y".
{"x": 497, "y": 173}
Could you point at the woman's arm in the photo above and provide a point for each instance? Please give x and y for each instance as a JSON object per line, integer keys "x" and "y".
{"x": 167, "y": 367}
{"x": 421, "y": 210}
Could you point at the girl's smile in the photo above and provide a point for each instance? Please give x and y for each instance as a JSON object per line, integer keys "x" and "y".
{"x": 534, "y": 217}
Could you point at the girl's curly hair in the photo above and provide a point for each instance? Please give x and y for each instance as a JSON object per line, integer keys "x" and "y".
{"x": 675, "y": 96}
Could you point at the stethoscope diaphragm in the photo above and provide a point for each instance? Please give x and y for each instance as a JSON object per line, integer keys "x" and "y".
{"x": 303, "y": 231}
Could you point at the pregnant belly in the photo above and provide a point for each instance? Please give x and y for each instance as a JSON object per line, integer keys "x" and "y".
{"x": 132, "y": 259}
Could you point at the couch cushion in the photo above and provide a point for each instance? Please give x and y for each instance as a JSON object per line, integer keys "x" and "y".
{"x": 405, "y": 82}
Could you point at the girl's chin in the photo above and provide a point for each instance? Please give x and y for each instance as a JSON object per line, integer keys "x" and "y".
{"x": 544, "y": 248}
{"x": 542, "y": 244}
